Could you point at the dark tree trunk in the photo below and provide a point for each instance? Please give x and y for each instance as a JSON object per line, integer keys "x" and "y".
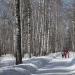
{"x": 18, "y": 50}
{"x": 0, "y": 52}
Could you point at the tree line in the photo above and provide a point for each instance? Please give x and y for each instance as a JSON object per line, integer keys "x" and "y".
{"x": 37, "y": 27}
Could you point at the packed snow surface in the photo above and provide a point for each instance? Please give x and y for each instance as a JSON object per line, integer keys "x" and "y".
{"x": 52, "y": 64}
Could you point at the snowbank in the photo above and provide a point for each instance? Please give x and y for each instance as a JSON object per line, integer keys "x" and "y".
{"x": 37, "y": 61}
{"x": 13, "y": 71}
{"x": 7, "y": 60}
{"x": 52, "y": 64}
{"x": 30, "y": 67}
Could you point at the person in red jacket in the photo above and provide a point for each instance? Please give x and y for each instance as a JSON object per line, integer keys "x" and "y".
{"x": 66, "y": 53}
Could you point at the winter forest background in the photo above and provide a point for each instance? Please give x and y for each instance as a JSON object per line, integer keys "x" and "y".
{"x": 46, "y": 26}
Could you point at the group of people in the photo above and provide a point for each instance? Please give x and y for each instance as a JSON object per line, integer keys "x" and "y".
{"x": 65, "y": 53}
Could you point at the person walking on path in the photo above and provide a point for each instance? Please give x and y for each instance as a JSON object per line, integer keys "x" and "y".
{"x": 65, "y": 53}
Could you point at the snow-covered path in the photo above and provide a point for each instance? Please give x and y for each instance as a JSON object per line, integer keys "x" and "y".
{"x": 57, "y": 69}
{"x": 58, "y": 66}
{"x": 52, "y": 64}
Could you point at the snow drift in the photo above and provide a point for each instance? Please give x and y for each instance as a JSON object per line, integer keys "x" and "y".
{"x": 13, "y": 71}
{"x": 52, "y": 64}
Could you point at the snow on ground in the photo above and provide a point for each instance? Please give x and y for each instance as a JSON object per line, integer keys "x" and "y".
{"x": 13, "y": 71}
{"x": 7, "y": 60}
{"x": 52, "y": 64}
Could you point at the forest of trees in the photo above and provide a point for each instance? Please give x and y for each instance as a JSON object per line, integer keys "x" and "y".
{"x": 36, "y": 27}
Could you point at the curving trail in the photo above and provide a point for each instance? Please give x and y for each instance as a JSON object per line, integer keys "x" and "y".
{"x": 52, "y": 64}
{"x": 58, "y": 66}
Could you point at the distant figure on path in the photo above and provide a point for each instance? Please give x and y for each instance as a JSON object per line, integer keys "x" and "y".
{"x": 65, "y": 53}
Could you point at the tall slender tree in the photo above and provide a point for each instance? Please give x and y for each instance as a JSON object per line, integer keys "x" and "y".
{"x": 18, "y": 30}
